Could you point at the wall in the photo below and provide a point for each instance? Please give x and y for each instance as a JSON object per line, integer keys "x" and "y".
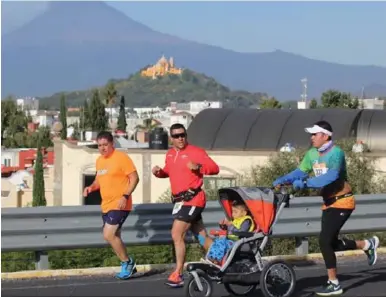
{"x": 11, "y": 156}
{"x": 26, "y": 156}
{"x": 12, "y": 198}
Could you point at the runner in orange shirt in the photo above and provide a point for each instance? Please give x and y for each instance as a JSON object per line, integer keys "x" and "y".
{"x": 116, "y": 178}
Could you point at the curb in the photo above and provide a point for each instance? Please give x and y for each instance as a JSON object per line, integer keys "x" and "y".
{"x": 151, "y": 267}
{"x": 79, "y": 272}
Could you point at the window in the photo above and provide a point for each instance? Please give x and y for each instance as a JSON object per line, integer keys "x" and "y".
{"x": 7, "y": 162}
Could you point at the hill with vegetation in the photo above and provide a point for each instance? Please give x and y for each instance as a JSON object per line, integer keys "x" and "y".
{"x": 143, "y": 92}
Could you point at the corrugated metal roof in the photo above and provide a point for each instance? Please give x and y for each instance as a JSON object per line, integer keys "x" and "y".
{"x": 270, "y": 129}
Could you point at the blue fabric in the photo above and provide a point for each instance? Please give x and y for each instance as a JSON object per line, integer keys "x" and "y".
{"x": 290, "y": 177}
{"x": 298, "y": 184}
{"x": 323, "y": 180}
{"x": 201, "y": 239}
{"x": 219, "y": 248}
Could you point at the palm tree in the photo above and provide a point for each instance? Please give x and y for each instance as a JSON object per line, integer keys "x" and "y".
{"x": 148, "y": 125}
{"x": 110, "y": 96}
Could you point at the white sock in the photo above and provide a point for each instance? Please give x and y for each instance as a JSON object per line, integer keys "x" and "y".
{"x": 334, "y": 281}
{"x": 367, "y": 245}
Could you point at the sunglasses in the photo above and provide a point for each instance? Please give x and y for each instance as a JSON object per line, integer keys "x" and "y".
{"x": 175, "y": 136}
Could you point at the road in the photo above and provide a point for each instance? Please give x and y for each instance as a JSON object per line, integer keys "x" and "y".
{"x": 357, "y": 278}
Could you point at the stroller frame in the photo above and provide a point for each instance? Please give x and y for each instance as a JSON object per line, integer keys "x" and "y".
{"x": 208, "y": 271}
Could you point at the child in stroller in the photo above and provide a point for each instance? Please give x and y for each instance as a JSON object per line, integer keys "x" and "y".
{"x": 223, "y": 241}
{"x": 234, "y": 257}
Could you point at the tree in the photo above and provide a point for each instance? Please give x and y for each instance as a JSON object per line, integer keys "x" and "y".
{"x": 76, "y": 134}
{"x": 122, "y": 115}
{"x": 354, "y": 104}
{"x": 38, "y": 191}
{"x": 336, "y": 99}
{"x": 13, "y": 124}
{"x": 84, "y": 118}
{"x": 148, "y": 124}
{"x": 98, "y": 117}
{"x": 63, "y": 117}
{"x": 42, "y": 136}
{"x": 110, "y": 94}
{"x": 313, "y": 104}
{"x": 270, "y": 103}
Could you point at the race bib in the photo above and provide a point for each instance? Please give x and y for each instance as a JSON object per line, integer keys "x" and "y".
{"x": 177, "y": 207}
{"x": 320, "y": 169}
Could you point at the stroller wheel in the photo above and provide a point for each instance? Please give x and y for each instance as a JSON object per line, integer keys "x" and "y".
{"x": 192, "y": 288}
{"x": 246, "y": 292}
{"x": 278, "y": 279}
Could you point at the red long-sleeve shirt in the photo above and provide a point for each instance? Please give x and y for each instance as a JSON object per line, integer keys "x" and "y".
{"x": 181, "y": 177}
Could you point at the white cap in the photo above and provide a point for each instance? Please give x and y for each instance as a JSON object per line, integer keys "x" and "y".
{"x": 317, "y": 129}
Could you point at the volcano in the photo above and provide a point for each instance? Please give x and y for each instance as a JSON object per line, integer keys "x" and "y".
{"x": 79, "y": 45}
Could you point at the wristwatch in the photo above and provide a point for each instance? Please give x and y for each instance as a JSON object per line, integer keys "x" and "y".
{"x": 126, "y": 196}
{"x": 199, "y": 166}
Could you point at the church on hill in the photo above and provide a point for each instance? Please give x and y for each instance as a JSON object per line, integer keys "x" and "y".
{"x": 161, "y": 68}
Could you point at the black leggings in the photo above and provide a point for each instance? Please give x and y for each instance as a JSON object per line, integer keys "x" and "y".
{"x": 333, "y": 220}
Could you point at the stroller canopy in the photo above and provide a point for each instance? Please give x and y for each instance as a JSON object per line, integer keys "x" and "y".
{"x": 259, "y": 201}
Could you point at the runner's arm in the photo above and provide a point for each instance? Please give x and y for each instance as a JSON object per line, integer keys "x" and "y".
{"x": 299, "y": 173}
{"x": 336, "y": 163}
{"x": 208, "y": 166}
{"x": 134, "y": 180}
{"x": 131, "y": 171}
{"x": 95, "y": 184}
{"x": 163, "y": 172}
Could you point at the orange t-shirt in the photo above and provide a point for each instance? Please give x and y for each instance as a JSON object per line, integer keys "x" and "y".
{"x": 113, "y": 178}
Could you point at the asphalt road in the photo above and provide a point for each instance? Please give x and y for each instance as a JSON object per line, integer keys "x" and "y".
{"x": 357, "y": 278}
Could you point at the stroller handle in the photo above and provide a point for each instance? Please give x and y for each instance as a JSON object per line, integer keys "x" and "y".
{"x": 282, "y": 189}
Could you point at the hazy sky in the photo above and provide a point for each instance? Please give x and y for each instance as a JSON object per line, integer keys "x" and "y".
{"x": 343, "y": 32}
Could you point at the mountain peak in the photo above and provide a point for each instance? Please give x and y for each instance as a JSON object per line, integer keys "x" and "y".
{"x": 68, "y": 22}
{"x": 77, "y": 5}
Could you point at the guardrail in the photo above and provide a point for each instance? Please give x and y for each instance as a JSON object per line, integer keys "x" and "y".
{"x": 41, "y": 229}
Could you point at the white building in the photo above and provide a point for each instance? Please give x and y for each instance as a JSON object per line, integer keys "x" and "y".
{"x": 28, "y": 104}
{"x": 10, "y": 157}
{"x": 45, "y": 118}
{"x": 194, "y": 107}
{"x": 373, "y": 103}
{"x": 304, "y": 104}
{"x": 183, "y": 117}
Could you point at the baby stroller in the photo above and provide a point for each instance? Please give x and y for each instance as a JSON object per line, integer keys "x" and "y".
{"x": 243, "y": 265}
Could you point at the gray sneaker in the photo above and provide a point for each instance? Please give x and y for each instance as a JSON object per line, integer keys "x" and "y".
{"x": 330, "y": 290}
{"x": 371, "y": 253}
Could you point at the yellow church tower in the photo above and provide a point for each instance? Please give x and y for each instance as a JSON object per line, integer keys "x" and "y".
{"x": 161, "y": 68}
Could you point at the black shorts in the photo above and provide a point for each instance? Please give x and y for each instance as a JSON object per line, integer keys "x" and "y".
{"x": 189, "y": 214}
{"x": 115, "y": 217}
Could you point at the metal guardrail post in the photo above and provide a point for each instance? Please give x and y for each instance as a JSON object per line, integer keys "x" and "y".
{"x": 41, "y": 260}
{"x": 302, "y": 246}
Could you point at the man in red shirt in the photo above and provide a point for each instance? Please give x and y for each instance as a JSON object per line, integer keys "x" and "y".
{"x": 185, "y": 166}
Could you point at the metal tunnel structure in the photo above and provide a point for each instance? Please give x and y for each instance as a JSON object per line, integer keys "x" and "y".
{"x": 270, "y": 129}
